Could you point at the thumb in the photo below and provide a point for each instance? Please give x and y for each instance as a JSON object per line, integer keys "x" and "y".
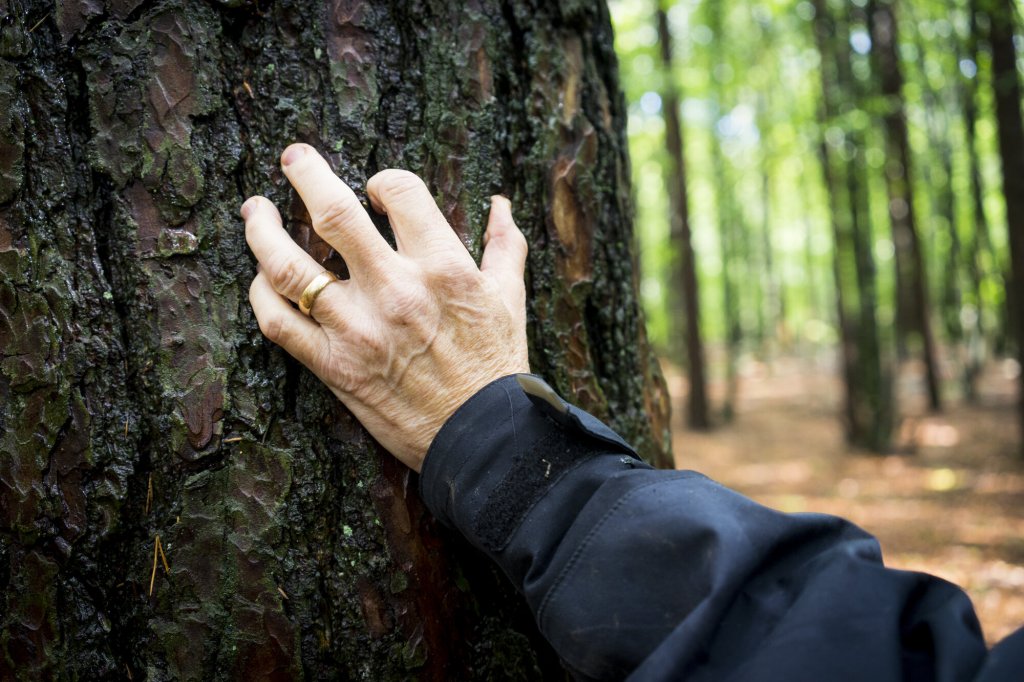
{"x": 505, "y": 249}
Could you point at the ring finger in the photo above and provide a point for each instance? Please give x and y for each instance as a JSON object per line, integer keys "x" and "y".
{"x": 286, "y": 266}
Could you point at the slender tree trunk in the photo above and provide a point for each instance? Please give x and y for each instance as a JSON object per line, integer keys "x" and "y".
{"x": 913, "y": 310}
{"x": 774, "y": 300}
{"x": 139, "y": 402}
{"x": 685, "y": 295}
{"x": 958, "y": 335}
{"x": 868, "y": 404}
{"x": 816, "y": 309}
{"x": 941, "y": 105}
{"x": 731, "y": 262}
{"x": 728, "y": 222}
{"x": 874, "y": 407}
{"x": 980, "y": 258}
{"x": 844, "y": 318}
{"x": 1006, "y": 89}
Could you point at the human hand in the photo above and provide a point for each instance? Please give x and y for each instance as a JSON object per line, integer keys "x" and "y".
{"x": 415, "y": 332}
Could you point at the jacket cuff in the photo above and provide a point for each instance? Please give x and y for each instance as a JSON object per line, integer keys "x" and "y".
{"x": 501, "y": 451}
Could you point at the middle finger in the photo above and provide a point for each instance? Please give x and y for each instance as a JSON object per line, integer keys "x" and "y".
{"x": 337, "y": 215}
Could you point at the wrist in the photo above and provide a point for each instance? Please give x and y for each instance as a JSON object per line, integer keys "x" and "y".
{"x": 501, "y": 450}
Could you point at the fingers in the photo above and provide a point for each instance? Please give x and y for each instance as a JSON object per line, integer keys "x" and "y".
{"x": 337, "y": 215}
{"x": 286, "y": 266}
{"x": 418, "y": 224}
{"x": 505, "y": 251}
{"x": 303, "y": 338}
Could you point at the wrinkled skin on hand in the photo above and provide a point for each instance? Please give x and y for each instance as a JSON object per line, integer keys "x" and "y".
{"x": 415, "y": 332}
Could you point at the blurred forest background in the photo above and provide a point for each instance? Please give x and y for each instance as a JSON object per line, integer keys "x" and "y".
{"x": 830, "y": 215}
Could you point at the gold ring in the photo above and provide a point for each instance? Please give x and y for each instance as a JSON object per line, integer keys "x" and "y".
{"x": 313, "y": 289}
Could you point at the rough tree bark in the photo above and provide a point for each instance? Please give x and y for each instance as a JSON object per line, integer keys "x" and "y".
{"x": 138, "y": 399}
{"x": 685, "y": 296}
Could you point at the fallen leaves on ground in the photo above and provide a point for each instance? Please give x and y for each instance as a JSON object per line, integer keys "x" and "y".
{"x": 949, "y": 502}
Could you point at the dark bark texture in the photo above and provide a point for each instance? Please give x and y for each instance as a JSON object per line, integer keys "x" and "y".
{"x": 138, "y": 399}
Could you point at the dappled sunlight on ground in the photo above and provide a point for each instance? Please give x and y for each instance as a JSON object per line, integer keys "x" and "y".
{"x": 950, "y": 503}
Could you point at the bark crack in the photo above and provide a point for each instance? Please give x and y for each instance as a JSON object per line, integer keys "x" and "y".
{"x": 509, "y": 88}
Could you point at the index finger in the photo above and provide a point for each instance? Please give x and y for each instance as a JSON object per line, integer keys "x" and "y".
{"x": 336, "y": 213}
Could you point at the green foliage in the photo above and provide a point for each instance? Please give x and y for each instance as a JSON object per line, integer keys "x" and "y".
{"x": 754, "y": 91}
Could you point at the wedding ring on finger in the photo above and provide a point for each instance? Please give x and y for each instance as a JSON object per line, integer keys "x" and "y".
{"x": 313, "y": 289}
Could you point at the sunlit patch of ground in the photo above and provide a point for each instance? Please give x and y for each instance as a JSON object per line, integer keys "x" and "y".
{"x": 951, "y": 503}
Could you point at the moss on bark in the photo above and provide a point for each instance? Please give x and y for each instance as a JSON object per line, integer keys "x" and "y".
{"x": 137, "y": 397}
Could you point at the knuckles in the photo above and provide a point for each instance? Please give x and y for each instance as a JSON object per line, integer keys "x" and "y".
{"x": 404, "y": 305}
{"x": 456, "y": 282}
{"x": 287, "y": 275}
{"x": 517, "y": 241}
{"x": 275, "y": 328}
{"x": 335, "y": 214}
{"x": 393, "y": 183}
{"x": 511, "y": 239}
{"x": 357, "y": 355}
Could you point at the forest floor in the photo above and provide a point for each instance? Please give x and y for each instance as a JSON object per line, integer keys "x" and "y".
{"x": 949, "y": 501}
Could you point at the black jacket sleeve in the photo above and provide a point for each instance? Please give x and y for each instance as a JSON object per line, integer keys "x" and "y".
{"x": 666, "y": 575}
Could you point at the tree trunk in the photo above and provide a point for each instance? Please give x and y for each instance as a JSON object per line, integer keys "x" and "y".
{"x": 685, "y": 294}
{"x": 1007, "y": 94}
{"x": 913, "y": 310}
{"x": 774, "y": 298}
{"x": 980, "y": 259}
{"x": 941, "y": 105}
{"x": 730, "y": 227}
{"x": 730, "y": 238}
{"x": 869, "y": 403}
{"x": 138, "y": 401}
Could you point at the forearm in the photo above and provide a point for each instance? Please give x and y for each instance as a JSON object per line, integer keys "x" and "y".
{"x": 629, "y": 568}
{"x": 662, "y": 573}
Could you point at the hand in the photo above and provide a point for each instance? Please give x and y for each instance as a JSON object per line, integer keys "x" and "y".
{"x": 415, "y": 332}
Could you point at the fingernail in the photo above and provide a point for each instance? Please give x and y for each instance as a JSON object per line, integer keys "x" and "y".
{"x": 292, "y": 154}
{"x": 247, "y": 207}
{"x": 501, "y": 198}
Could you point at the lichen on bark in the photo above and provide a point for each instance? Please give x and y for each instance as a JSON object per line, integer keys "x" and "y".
{"x": 138, "y": 399}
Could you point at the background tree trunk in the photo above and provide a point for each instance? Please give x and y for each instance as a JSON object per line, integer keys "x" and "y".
{"x": 1003, "y": 18}
{"x": 685, "y": 293}
{"x": 981, "y": 259}
{"x": 913, "y": 309}
{"x": 730, "y": 219}
{"x": 138, "y": 399}
{"x": 869, "y": 401}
